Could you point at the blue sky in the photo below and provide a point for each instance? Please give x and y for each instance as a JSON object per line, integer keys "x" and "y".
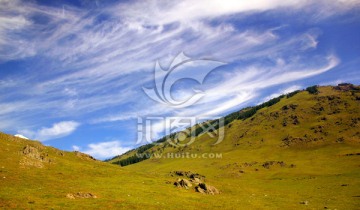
{"x": 72, "y": 73}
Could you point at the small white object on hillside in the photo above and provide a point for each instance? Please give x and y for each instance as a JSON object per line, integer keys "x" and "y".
{"x": 20, "y": 136}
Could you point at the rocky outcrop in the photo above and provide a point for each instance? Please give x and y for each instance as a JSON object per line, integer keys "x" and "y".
{"x": 80, "y": 195}
{"x": 34, "y": 156}
{"x": 269, "y": 164}
{"x": 289, "y": 107}
{"x": 206, "y": 189}
{"x": 306, "y": 139}
{"x": 347, "y": 87}
{"x": 183, "y": 183}
{"x": 191, "y": 179}
{"x": 84, "y": 156}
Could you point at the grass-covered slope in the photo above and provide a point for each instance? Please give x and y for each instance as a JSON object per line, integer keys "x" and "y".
{"x": 278, "y": 118}
{"x": 300, "y": 153}
{"x": 33, "y": 176}
{"x": 303, "y": 148}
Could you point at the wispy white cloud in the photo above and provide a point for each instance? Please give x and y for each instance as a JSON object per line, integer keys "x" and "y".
{"x": 103, "y": 150}
{"x": 241, "y": 86}
{"x": 76, "y": 148}
{"x": 162, "y": 12}
{"x": 96, "y": 61}
{"x": 244, "y": 86}
{"x": 57, "y": 130}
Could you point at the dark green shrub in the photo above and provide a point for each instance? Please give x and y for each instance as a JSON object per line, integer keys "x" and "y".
{"x": 133, "y": 159}
{"x": 289, "y": 95}
{"x": 313, "y": 89}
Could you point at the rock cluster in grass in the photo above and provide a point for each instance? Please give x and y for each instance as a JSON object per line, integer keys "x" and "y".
{"x": 80, "y": 195}
{"x": 187, "y": 174}
{"x": 346, "y": 87}
{"x": 207, "y": 189}
{"x": 306, "y": 139}
{"x": 183, "y": 183}
{"x": 243, "y": 168}
{"x": 84, "y": 156}
{"x": 190, "y": 179}
{"x": 289, "y": 107}
{"x": 34, "y": 156}
{"x": 268, "y": 164}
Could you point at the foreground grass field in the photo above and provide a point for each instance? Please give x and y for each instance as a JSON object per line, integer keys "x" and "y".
{"x": 269, "y": 161}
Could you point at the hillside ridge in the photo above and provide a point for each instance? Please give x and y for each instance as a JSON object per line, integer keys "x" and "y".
{"x": 144, "y": 152}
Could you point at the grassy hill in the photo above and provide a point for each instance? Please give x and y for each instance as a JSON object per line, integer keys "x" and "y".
{"x": 302, "y": 152}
